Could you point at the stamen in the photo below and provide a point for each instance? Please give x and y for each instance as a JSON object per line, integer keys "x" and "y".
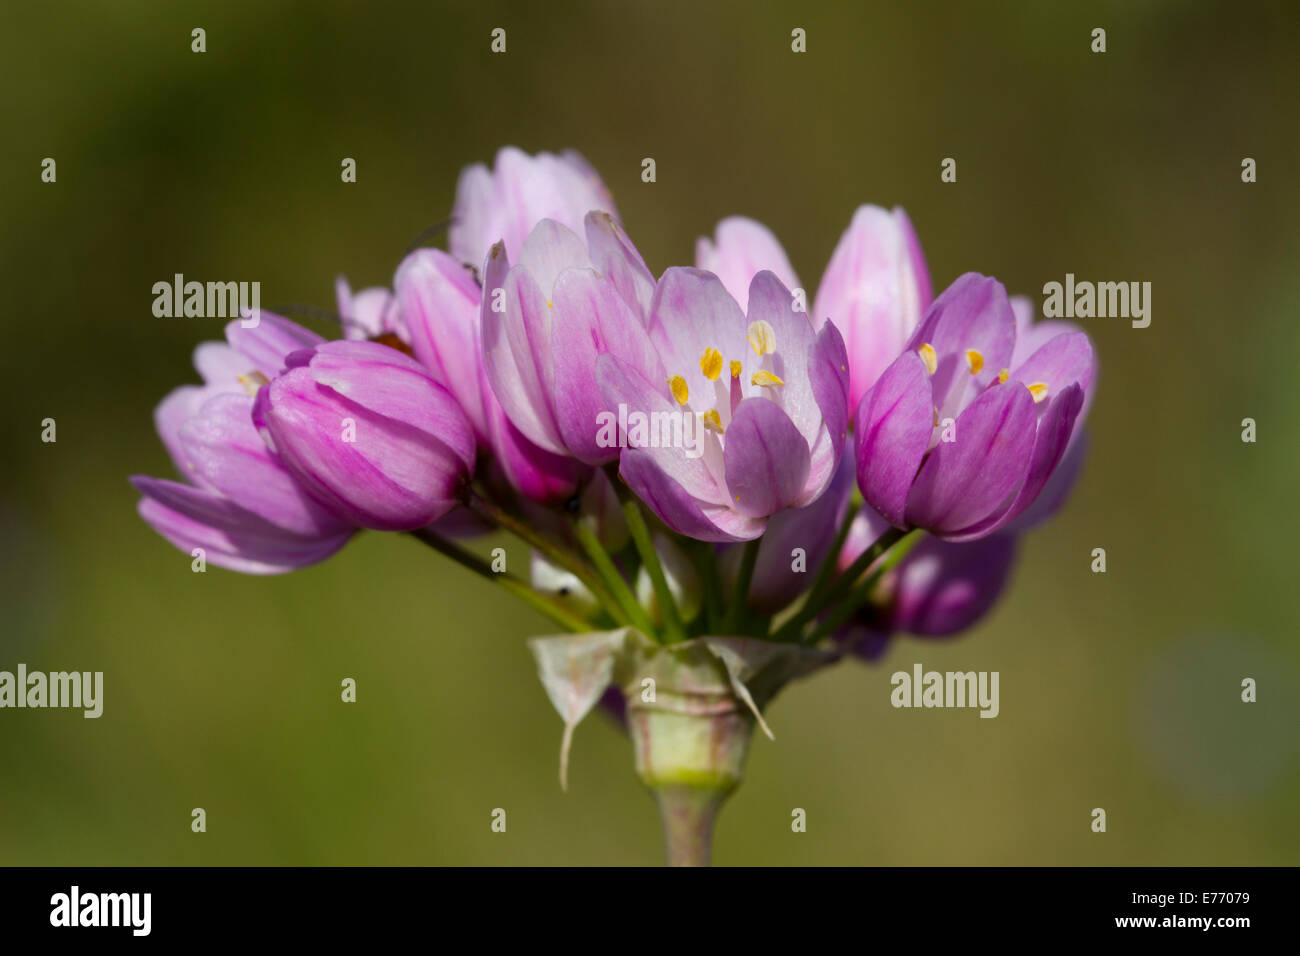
{"x": 735, "y": 368}
{"x": 680, "y": 390}
{"x": 975, "y": 360}
{"x": 253, "y": 381}
{"x": 711, "y": 364}
{"x": 762, "y": 337}
{"x": 929, "y": 357}
{"x": 765, "y": 379}
{"x": 1004, "y": 375}
{"x": 712, "y": 420}
{"x": 1038, "y": 390}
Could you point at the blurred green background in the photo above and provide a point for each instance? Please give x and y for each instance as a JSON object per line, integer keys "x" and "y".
{"x": 222, "y": 691}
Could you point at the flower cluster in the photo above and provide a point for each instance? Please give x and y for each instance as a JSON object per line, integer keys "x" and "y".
{"x": 692, "y": 454}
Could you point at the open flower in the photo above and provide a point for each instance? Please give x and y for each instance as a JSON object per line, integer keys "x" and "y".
{"x": 505, "y": 204}
{"x": 367, "y": 431}
{"x": 952, "y": 437}
{"x": 547, "y": 319}
{"x": 241, "y": 506}
{"x": 767, "y": 391}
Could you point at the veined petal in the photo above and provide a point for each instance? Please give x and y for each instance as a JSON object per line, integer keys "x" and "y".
{"x": 676, "y": 508}
{"x": 767, "y": 459}
{"x": 965, "y": 481}
{"x": 225, "y": 453}
{"x": 230, "y": 537}
{"x": 742, "y": 248}
{"x": 521, "y": 377}
{"x": 266, "y": 344}
{"x": 894, "y": 423}
{"x": 615, "y": 258}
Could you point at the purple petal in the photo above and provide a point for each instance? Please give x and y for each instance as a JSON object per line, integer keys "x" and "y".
{"x": 972, "y": 313}
{"x": 767, "y": 459}
{"x": 828, "y": 377}
{"x": 268, "y": 343}
{"x": 520, "y": 372}
{"x": 875, "y": 288}
{"x": 943, "y": 588}
{"x": 615, "y": 258}
{"x": 439, "y": 302}
{"x": 226, "y": 454}
{"x": 894, "y": 424}
{"x": 592, "y": 319}
{"x": 231, "y": 537}
{"x": 741, "y": 249}
{"x": 965, "y": 481}
{"x": 676, "y": 508}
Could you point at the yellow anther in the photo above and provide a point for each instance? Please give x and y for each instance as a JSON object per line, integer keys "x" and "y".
{"x": 929, "y": 357}
{"x": 735, "y": 368}
{"x": 975, "y": 360}
{"x": 712, "y": 420}
{"x": 680, "y": 390}
{"x": 1004, "y": 374}
{"x": 711, "y": 364}
{"x": 765, "y": 378}
{"x": 1038, "y": 390}
{"x": 253, "y": 381}
{"x": 762, "y": 337}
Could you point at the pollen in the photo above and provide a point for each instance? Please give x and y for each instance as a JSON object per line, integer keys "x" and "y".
{"x": 735, "y": 368}
{"x": 974, "y": 360}
{"x": 253, "y": 381}
{"x": 1004, "y": 375}
{"x": 680, "y": 391}
{"x": 1038, "y": 390}
{"x": 712, "y": 420}
{"x": 711, "y": 364}
{"x": 928, "y": 356}
{"x": 765, "y": 378}
{"x": 762, "y": 337}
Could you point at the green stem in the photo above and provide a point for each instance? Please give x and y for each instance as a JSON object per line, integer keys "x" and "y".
{"x": 791, "y": 629}
{"x": 635, "y": 614}
{"x": 557, "y": 555}
{"x": 861, "y": 594}
{"x": 833, "y": 556}
{"x": 675, "y": 632}
{"x": 708, "y": 564}
{"x": 740, "y": 592}
{"x": 537, "y": 601}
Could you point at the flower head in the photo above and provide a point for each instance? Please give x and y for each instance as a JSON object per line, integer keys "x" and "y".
{"x": 770, "y": 392}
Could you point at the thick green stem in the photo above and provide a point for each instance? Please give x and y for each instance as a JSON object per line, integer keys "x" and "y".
{"x": 688, "y": 814}
{"x": 538, "y": 602}
{"x": 675, "y": 632}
